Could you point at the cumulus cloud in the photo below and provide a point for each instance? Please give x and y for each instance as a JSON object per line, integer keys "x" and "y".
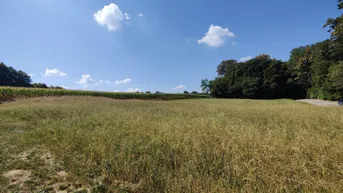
{"x": 215, "y": 36}
{"x": 116, "y": 91}
{"x": 133, "y": 90}
{"x": 244, "y": 59}
{"x": 140, "y": 15}
{"x": 54, "y": 72}
{"x": 181, "y": 86}
{"x": 86, "y": 79}
{"x": 31, "y": 75}
{"x": 111, "y": 16}
{"x": 125, "y": 81}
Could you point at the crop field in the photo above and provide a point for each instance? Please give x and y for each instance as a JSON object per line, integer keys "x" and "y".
{"x": 97, "y": 144}
{"x": 10, "y": 93}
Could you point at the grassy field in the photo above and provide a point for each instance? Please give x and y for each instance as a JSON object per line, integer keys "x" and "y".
{"x": 210, "y": 145}
{"x": 11, "y": 93}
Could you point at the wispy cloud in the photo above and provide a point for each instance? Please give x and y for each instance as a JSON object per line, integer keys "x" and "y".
{"x": 125, "y": 81}
{"x": 104, "y": 81}
{"x": 133, "y": 90}
{"x": 180, "y": 86}
{"x": 244, "y": 59}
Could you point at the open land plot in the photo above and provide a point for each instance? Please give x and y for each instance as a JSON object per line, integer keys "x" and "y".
{"x": 198, "y": 145}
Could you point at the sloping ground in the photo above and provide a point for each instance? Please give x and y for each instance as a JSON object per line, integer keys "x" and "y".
{"x": 320, "y": 102}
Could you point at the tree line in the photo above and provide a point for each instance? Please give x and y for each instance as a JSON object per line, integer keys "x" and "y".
{"x": 11, "y": 77}
{"x": 312, "y": 71}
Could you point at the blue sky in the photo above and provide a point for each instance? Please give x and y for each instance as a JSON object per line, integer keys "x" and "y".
{"x": 155, "y": 45}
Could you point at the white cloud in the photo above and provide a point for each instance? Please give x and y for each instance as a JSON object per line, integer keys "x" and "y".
{"x": 116, "y": 91}
{"x": 111, "y": 17}
{"x": 125, "y": 81}
{"x": 104, "y": 81}
{"x": 54, "y": 72}
{"x": 181, "y": 86}
{"x": 127, "y": 16}
{"x": 133, "y": 90}
{"x": 86, "y": 79}
{"x": 244, "y": 59}
{"x": 140, "y": 15}
{"x": 31, "y": 75}
{"x": 215, "y": 36}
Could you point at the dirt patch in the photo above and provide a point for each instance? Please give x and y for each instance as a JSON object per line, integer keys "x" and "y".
{"x": 44, "y": 174}
{"x": 44, "y": 155}
{"x": 47, "y": 157}
{"x": 18, "y": 177}
{"x": 62, "y": 174}
{"x": 24, "y": 156}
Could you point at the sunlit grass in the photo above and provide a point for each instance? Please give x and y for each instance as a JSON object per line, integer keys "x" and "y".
{"x": 207, "y": 145}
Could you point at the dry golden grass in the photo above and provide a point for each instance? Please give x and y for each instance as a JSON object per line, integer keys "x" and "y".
{"x": 202, "y": 145}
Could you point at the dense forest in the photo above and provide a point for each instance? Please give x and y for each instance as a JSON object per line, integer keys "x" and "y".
{"x": 11, "y": 77}
{"x": 312, "y": 71}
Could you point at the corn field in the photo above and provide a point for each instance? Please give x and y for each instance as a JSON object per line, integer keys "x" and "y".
{"x": 10, "y": 93}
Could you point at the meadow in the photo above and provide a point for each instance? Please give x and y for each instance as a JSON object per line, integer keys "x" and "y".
{"x": 96, "y": 144}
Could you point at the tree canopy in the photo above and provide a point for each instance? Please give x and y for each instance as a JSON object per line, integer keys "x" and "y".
{"x": 11, "y": 77}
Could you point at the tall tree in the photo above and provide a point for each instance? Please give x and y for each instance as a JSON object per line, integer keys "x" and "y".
{"x": 10, "y": 77}
{"x": 205, "y": 85}
{"x": 335, "y": 24}
{"x": 336, "y": 29}
{"x": 336, "y": 77}
{"x": 302, "y": 68}
{"x": 224, "y": 67}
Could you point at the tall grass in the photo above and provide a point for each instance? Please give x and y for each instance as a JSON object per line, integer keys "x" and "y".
{"x": 9, "y": 93}
{"x": 205, "y": 145}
